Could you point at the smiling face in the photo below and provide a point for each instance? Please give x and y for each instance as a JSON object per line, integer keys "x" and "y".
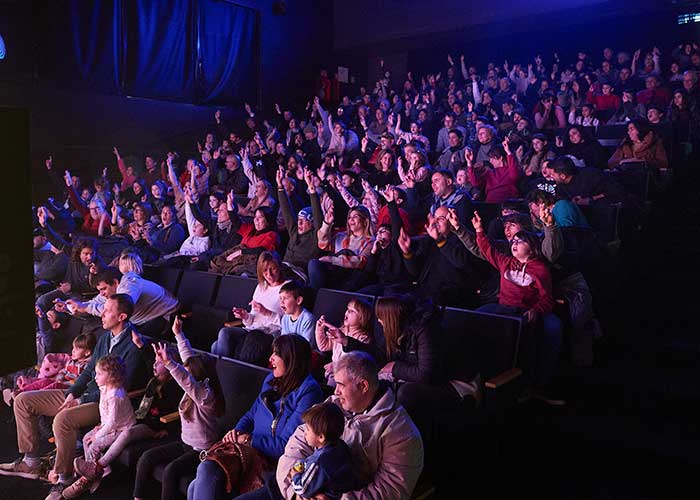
{"x": 259, "y": 221}
{"x": 260, "y": 189}
{"x": 632, "y": 132}
{"x": 272, "y": 273}
{"x": 356, "y": 224}
{"x": 279, "y": 368}
{"x": 575, "y": 136}
{"x": 440, "y": 184}
{"x": 199, "y": 229}
{"x": 484, "y": 135}
{"x": 137, "y": 188}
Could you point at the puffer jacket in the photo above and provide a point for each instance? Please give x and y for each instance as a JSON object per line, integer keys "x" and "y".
{"x": 386, "y": 446}
{"x": 650, "y": 149}
{"x": 271, "y": 421}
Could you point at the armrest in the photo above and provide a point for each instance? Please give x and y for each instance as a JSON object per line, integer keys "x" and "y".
{"x": 170, "y": 417}
{"x": 235, "y": 322}
{"x": 136, "y": 393}
{"x": 503, "y": 378}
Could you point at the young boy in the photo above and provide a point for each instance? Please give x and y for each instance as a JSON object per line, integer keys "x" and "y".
{"x": 297, "y": 319}
{"x": 50, "y": 376}
{"x": 328, "y": 470}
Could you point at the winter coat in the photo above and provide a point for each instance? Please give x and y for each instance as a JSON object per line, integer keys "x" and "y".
{"x": 386, "y": 445}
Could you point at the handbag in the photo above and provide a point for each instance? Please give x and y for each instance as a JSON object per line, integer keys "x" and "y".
{"x": 242, "y": 464}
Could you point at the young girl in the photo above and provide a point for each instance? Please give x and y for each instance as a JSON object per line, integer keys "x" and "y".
{"x": 199, "y": 409}
{"x": 526, "y": 289}
{"x": 69, "y": 366}
{"x": 116, "y": 415}
{"x": 355, "y": 329}
{"x": 501, "y": 182}
{"x": 161, "y": 398}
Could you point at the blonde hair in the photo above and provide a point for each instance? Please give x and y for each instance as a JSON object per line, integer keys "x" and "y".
{"x": 132, "y": 263}
{"x": 364, "y": 313}
{"x": 264, "y": 261}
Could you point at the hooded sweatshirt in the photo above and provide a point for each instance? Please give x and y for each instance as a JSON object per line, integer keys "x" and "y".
{"x": 523, "y": 285}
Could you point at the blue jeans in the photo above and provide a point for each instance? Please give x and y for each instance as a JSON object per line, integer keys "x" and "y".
{"x": 547, "y": 343}
{"x": 210, "y": 483}
{"x": 227, "y": 340}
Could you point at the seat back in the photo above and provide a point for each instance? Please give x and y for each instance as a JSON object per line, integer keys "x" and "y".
{"x": 234, "y": 291}
{"x": 196, "y": 287}
{"x": 241, "y": 383}
{"x": 167, "y": 277}
{"x": 332, "y": 304}
{"x": 478, "y": 342}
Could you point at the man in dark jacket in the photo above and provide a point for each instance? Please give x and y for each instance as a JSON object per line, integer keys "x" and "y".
{"x": 440, "y": 263}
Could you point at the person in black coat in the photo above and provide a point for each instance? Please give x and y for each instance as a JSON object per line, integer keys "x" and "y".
{"x": 578, "y": 143}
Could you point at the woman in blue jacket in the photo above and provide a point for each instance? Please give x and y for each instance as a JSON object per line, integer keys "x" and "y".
{"x": 276, "y": 413}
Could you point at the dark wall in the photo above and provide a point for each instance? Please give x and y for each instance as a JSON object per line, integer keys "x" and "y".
{"x": 552, "y": 26}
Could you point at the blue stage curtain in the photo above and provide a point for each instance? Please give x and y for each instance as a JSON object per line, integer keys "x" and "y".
{"x": 227, "y": 52}
{"x": 160, "y": 49}
{"x": 82, "y": 44}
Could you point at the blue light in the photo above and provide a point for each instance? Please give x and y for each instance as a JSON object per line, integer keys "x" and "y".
{"x": 2, "y": 48}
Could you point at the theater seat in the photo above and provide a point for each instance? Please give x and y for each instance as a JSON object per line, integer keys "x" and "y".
{"x": 234, "y": 291}
{"x": 167, "y": 277}
{"x": 332, "y": 304}
{"x": 196, "y": 287}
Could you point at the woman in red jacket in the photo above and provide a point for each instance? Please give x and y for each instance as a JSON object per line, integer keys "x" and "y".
{"x": 526, "y": 290}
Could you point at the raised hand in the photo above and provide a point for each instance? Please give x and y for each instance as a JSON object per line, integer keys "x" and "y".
{"x": 279, "y": 176}
{"x": 116, "y": 152}
{"x": 161, "y": 350}
{"x": 449, "y": 60}
{"x": 506, "y": 146}
{"x": 177, "y": 326}
{"x": 476, "y": 222}
{"x": 329, "y": 216}
{"x": 277, "y": 108}
{"x": 68, "y": 178}
{"x": 49, "y": 162}
{"x": 217, "y": 116}
{"x": 247, "y": 108}
{"x": 42, "y": 216}
{"x": 469, "y": 155}
{"x": 389, "y": 193}
{"x": 452, "y": 218}
{"x": 546, "y": 215}
{"x": 410, "y": 179}
{"x": 404, "y": 241}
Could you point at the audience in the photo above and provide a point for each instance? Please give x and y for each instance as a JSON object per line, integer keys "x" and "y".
{"x": 363, "y": 203}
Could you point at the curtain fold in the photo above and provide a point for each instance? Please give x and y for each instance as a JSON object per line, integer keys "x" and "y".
{"x": 227, "y": 52}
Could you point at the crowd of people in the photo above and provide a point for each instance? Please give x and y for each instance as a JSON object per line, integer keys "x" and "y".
{"x": 386, "y": 195}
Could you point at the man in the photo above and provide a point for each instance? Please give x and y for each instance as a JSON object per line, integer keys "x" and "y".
{"x": 486, "y": 137}
{"x": 152, "y": 174}
{"x": 445, "y": 193}
{"x": 439, "y": 263}
{"x": 654, "y": 94}
{"x": 151, "y": 301}
{"x": 77, "y": 407}
{"x": 382, "y": 437}
{"x": 49, "y": 263}
{"x": 452, "y": 157}
{"x": 449, "y": 122}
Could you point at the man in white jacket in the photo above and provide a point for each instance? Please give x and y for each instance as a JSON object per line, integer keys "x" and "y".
{"x": 386, "y": 445}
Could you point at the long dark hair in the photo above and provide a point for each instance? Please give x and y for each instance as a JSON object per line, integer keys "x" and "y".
{"x": 80, "y": 245}
{"x": 533, "y": 242}
{"x": 295, "y": 351}
{"x": 643, "y": 127}
{"x": 202, "y": 367}
{"x": 394, "y": 313}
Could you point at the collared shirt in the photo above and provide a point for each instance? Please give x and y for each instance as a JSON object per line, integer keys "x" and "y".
{"x": 114, "y": 339}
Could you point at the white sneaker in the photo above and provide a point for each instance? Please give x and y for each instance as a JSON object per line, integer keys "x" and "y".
{"x": 20, "y": 468}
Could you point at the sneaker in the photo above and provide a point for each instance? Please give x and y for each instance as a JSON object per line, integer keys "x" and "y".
{"x": 80, "y": 487}
{"x": 7, "y": 396}
{"x": 89, "y": 470}
{"x": 56, "y": 492}
{"x": 19, "y": 468}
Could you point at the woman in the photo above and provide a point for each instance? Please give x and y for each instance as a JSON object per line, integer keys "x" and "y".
{"x": 385, "y": 172}
{"x": 285, "y": 395}
{"x": 548, "y": 115}
{"x": 629, "y": 110}
{"x": 262, "y": 198}
{"x": 348, "y": 251}
{"x": 159, "y": 198}
{"x": 141, "y": 228}
{"x": 251, "y": 342}
{"x": 256, "y": 238}
{"x": 135, "y": 195}
{"x": 579, "y": 144}
{"x": 641, "y": 144}
{"x": 539, "y": 153}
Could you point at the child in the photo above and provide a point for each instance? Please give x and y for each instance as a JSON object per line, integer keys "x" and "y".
{"x": 328, "y": 470}
{"x": 58, "y": 370}
{"x": 355, "y": 329}
{"x": 161, "y": 398}
{"x": 199, "y": 409}
{"x": 297, "y": 319}
{"x": 500, "y": 183}
{"x": 116, "y": 415}
{"x": 526, "y": 290}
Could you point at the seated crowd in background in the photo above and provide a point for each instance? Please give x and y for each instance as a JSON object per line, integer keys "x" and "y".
{"x": 389, "y": 196}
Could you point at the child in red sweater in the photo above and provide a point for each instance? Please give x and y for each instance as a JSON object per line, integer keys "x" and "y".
{"x": 499, "y": 182}
{"x": 526, "y": 290}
